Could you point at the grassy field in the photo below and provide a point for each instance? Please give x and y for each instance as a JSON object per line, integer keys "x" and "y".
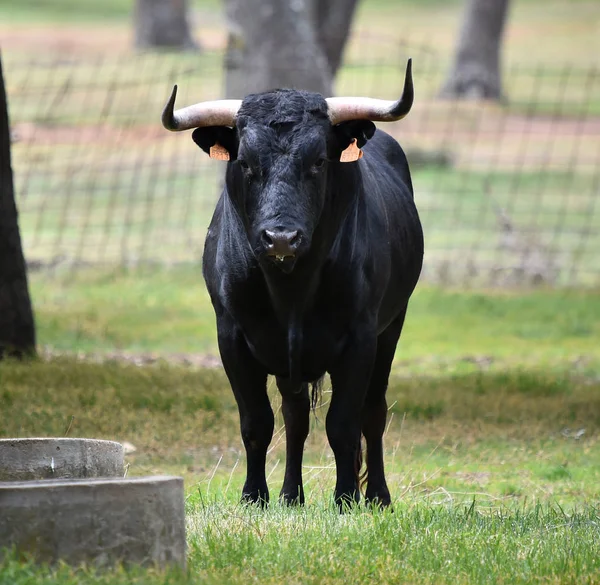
{"x": 419, "y": 543}
{"x": 169, "y": 312}
{"x": 491, "y": 448}
{"x": 492, "y": 444}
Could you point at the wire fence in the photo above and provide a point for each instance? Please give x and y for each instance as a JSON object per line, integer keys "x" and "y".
{"x": 508, "y": 194}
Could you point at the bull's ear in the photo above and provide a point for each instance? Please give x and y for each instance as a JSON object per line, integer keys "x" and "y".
{"x": 219, "y": 142}
{"x": 350, "y": 137}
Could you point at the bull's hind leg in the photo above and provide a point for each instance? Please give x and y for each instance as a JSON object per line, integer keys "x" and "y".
{"x": 350, "y": 379}
{"x": 296, "y": 409}
{"x": 249, "y": 383}
{"x": 375, "y": 413}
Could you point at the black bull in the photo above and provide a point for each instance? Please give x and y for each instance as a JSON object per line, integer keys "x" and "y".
{"x": 310, "y": 263}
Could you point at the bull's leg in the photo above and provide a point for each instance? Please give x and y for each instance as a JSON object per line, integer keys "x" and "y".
{"x": 350, "y": 378}
{"x": 375, "y": 413}
{"x": 248, "y": 380}
{"x": 296, "y": 409}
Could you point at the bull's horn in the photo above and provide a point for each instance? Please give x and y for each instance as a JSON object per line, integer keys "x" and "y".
{"x": 362, "y": 108}
{"x": 217, "y": 113}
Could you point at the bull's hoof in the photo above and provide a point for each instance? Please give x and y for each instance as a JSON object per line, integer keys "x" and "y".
{"x": 292, "y": 497}
{"x": 378, "y": 498}
{"x": 255, "y": 498}
{"x": 346, "y": 501}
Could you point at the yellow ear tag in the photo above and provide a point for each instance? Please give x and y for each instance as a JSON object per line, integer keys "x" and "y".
{"x": 351, "y": 153}
{"x": 219, "y": 152}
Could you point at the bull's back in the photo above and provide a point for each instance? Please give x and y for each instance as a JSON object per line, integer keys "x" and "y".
{"x": 389, "y": 190}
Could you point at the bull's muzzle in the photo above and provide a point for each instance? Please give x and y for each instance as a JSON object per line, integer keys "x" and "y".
{"x": 280, "y": 244}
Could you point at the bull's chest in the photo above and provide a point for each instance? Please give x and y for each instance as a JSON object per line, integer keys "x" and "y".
{"x": 320, "y": 343}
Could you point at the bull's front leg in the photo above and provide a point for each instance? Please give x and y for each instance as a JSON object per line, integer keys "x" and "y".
{"x": 248, "y": 381}
{"x": 350, "y": 379}
{"x": 296, "y": 409}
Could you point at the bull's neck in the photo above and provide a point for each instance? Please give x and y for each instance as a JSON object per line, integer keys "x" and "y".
{"x": 291, "y": 294}
{"x": 291, "y": 297}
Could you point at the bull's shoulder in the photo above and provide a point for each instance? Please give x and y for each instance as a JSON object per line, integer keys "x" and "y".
{"x": 227, "y": 257}
{"x": 386, "y": 163}
{"x": 385, "y": 147}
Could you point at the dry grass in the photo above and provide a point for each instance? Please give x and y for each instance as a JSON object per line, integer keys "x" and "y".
{"x": 531, "y": 429}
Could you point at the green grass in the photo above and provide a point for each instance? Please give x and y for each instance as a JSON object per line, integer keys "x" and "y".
{"x": 419, "y": 543}
{"x": 491, "y": 448}
{"x": 169, "y": 312}
{"x": 465, "y": 215}
{"x": 492, "y": 478}
{"x": 162, "y": 311}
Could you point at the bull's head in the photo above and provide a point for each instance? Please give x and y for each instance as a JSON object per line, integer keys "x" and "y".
{"x": 280, "y": 146}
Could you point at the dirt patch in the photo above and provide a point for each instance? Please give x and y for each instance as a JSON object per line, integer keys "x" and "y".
{"x": 479, "y": 478}
{"x": 88, "y": 40}
{"x": 509, "y": 141}
{"x": 480, "y": 135}
{"x": 67, "y": 39}
{"x": 108, "y": 134}
{"x": 137, "y": 359}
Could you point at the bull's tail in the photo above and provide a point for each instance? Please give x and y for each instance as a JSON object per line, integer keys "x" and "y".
{"x": 316, "y": 394}
{"x": 361, "y": 476}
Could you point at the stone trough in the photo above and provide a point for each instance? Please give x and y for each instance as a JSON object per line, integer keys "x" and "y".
{"x": 95, "y": 521}
{"x": 28, "y": 459}
{"x": 66, "y": 499}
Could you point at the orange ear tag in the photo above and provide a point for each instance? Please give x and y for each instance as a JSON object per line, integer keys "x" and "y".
{"x": 218, "y": 152}
{"x": 351, "y": 153}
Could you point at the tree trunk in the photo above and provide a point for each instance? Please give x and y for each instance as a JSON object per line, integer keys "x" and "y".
{"x": 162, "y": 24}
{"x": 17, "y": 330}
{"x": 332, "y": 20}
{"x": 475, "y": 73}
{"x": 272, "y": 44}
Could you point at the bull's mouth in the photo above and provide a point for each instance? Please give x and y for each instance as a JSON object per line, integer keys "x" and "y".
{"x": 284, "y": 263}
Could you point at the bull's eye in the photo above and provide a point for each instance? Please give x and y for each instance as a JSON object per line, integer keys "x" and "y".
{"x": 319, "y": 163}
{"x": 243, "y": 164}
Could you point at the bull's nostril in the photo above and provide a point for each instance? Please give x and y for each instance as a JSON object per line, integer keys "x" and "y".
{"x": 267, "y": 238}
{"x": 294, "y": 239}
